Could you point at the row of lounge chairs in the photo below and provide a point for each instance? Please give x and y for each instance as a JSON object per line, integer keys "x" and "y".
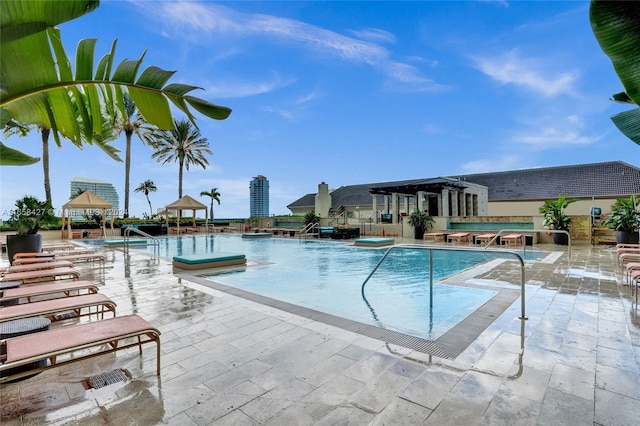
{"x": 629, "y": 261}
{"x": 468, "y": 237}
{"x": 49, "y": 289}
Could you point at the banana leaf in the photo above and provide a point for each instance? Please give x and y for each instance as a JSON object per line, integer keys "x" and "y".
{"x": 39, "y": 86}
{"x": 616, "y": 26}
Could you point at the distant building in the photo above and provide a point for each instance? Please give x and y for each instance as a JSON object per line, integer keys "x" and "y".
{"x": 101, "y": 188}
{"x": 506, "y": 193}
{"x": 259, "y": 196}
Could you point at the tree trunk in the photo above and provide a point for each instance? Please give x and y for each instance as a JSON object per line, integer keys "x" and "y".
{"x": 127, "y": 172}
{"x": 45, "y": 131}
{"x": 180, "y": 181}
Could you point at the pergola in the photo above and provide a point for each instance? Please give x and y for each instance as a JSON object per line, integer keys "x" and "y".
{"x": 435, "y": 185}
{"x": 188, "y": 203}
{"x": 86, "y": 201}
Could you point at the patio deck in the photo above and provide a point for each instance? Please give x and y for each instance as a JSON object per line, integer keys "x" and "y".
{"x": 229, "y": 360}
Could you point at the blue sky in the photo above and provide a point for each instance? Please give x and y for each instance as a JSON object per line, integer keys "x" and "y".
{"x": 350, "y": 93}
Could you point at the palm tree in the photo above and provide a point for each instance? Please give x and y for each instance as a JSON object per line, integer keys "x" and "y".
{"x": 183, "y": 145}
{"x": 132, "y": 123}
{"x": 69, "y": 101}
{"x": 146, "y": 187}
{"x": 102, "y": 140}
{"x": 215, "y": 195}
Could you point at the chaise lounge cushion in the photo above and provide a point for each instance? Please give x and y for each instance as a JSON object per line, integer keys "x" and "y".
{"x": 374, "y": 242}
{"x": 72, "y": 343}
{"x": 208, "y": 260}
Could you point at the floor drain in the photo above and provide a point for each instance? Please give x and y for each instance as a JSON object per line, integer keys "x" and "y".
{"x": 106, "y": 379}
{"x": 65, "y": 315}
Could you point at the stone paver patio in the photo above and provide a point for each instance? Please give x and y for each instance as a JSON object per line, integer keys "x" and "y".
{"x": 231, "y": 361}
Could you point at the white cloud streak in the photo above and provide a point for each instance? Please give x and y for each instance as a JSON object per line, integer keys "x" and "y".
{"x": 189, "y": 18}
{"x": 510, "y": 68}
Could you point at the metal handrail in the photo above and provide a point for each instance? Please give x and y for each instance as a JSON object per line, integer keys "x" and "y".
{"x": 525, "y": 231}
{"x": 155, "y": 241}
{"x": 431, "y": 249}
{"x": 307, "y": 228}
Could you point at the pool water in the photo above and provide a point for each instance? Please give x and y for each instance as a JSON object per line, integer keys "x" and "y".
{"x": 328, "y": 276}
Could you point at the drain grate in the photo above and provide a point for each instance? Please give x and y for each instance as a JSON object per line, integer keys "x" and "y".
{"x": 106, "y": 379}
{"x": 65, "y": 315}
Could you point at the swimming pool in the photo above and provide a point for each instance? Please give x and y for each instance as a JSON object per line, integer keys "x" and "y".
{"x": 327, "y": 276}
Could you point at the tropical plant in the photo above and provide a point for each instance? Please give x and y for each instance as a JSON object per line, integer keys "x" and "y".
{"x": 616, "y": 26}
{"x": 146, "y": 188}
{"x": 624, "y": 216}
{"x": 183, "y": 145}
{"x": 215, "y": 196}
{"x": 30, "y": 215}
{"x": 40, "y": 87}
{"x": 310, "y": 218}
{"x": 420, "y": 219}
{"x": 553, "y": 212}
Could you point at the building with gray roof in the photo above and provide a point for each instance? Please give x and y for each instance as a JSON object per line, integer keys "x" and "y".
{"x": 515, "y": 192}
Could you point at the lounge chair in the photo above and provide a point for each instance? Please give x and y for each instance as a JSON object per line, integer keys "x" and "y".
{"x": 57, "y": 247}
{"x": 49, "y": 289}
{"x": 37, "y": 266}
{"x": 73, "y": 258}
{"x": 49, "y": 308}
{"x": 64, "y": 345}
{"x": 436, "y": 235}
{"x": 38, "y": 259}
{"x": 511, "y": 239}
{"x": 458, "y": 237}
{"x": 42, "y": 275}
{"x": 484, "y": 238}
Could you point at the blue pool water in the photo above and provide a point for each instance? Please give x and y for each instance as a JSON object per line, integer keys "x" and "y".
{"x": 327, "y": 276}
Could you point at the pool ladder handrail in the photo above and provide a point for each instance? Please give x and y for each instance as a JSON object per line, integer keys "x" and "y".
{"x": 525, "y": 231}
{"x": 470, "y": 249}
{"x": 309, "y": 227}
{"x": 154, "y": 240}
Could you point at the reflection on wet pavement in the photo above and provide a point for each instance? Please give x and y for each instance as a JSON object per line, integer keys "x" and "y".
{"x": 227, "y": 360}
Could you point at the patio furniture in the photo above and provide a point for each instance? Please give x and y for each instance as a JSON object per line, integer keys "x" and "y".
{"x": 22, "y": 327}
{"x": 208, "y": 260}
{"x": 64, "y": 345}
{"x": 79, "y": 305}
{"x": 13, "y": 296}
{"x": 373, "y": 242}
{"x": 42, "y": 275}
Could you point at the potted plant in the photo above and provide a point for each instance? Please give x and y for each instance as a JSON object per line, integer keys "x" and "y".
{"x": 420, "y": 221}
{"x": 625, "y": 220}
{"x": 554, "y": 217}
{"x": 28, "y": 217}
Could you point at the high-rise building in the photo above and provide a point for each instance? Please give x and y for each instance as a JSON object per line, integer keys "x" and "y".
{"x": 101, "y": 188}
{"x": 259, "y": 196}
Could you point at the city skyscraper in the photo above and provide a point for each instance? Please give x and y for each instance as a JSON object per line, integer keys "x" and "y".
{"x": 259, "y": 196}
{"x": 101, "y": 188}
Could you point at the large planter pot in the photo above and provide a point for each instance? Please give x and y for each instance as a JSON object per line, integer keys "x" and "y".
{"x": 625, "y": 237}
{"x": 23, "y": 243}
{"x": 418, "y": 232}
{"x": 560, "y": 238}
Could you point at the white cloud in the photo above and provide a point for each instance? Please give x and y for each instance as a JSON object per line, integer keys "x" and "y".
{"x": 550, "y": 133}
{"x": 506, "y": 162}
{"x": 553, "y": 137}
{"x": 374, "y": 35}
{"x": 234, "y": 88}
{"x": 201, "y": 19}
{"x": 432, "y": 128}
{"x": 529, "y": 73}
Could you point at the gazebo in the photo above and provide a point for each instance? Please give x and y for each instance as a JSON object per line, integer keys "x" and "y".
{"x": 188, "y": 203}
{"x": 86, "y": 201}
